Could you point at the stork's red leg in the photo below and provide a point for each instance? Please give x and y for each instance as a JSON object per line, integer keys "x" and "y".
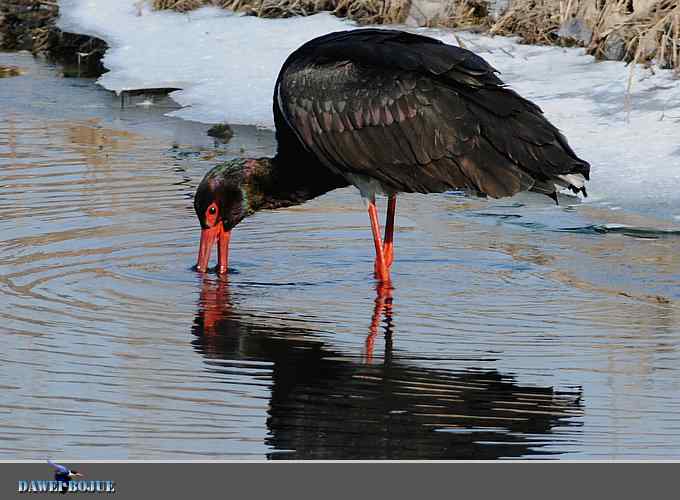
{"x": 389, "y": 230}
{"x": 381, "y": 270}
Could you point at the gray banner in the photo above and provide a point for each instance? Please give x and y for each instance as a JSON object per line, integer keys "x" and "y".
{"x": 356, "y": 480}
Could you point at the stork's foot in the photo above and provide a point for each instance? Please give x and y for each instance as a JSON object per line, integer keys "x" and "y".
{"x": 388, "y": 259}
{"x": 381, "y": 272}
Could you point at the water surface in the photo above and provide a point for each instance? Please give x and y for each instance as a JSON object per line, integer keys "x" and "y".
{"x": 515, "y": 329}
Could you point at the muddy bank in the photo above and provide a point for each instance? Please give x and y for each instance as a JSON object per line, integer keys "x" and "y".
{"x": 31, "y": 25}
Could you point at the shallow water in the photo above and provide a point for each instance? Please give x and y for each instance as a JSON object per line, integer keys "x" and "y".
{"x": 515, "y": 328}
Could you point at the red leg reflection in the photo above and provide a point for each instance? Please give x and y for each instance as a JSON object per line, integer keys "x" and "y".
{"x": 383, "y": 304}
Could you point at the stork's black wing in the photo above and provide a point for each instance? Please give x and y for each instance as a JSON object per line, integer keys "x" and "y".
{"x": 419, "y": 116}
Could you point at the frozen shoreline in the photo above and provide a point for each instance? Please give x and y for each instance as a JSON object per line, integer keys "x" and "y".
{"x": 226, "y": 65}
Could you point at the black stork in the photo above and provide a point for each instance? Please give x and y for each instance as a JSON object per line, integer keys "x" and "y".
{"x": 388, "y": 112}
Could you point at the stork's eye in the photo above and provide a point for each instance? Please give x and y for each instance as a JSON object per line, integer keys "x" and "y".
{"x": 211, "y": 214}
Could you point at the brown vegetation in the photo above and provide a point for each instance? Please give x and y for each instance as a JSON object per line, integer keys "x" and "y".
{"x": 463, "y": 14}
{"x": 633, "y": 30}
{"x": 536, "y": 21}
{"x": 649, "y": 34}
{"x": 179, "y": 5}
{"x": 8, "y": 71}
{"x": 362, "y": 11}
{"x": 646, "y": 31}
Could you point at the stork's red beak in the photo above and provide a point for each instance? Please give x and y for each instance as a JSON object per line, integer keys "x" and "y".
{"x": 208, "y": 237}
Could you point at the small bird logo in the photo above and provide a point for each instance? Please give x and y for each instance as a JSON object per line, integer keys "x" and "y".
{"x": 63, "y": 475}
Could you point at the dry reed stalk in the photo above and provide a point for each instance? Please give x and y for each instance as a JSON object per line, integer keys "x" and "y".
{"x": 8, "y": 71}
{"x": 655, "y": 32}
{"x": 628, "y": 100}
{"x": 676, "y": 41}
{"x": 179, "y": 5}
{"x": 650, "y": 37}
{"x": 655, "y": 29}
{"x": 362, "y": 11}
{"x": 464, "y": 14}
{"x": 536, "y": 21}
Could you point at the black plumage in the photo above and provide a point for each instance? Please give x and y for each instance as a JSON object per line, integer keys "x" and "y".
{"x": 416, "y": 115}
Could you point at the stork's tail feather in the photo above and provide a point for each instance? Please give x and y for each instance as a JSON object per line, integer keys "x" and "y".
{"x": 576, "y": 183}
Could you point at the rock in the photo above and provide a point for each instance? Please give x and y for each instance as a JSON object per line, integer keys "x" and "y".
{"x": 575, "y": 30}
{"x": 31, "y": 25}
{"x": 614, "y": 47}
{"x": 423, "y": 11}
{"x": 221, "y": 131}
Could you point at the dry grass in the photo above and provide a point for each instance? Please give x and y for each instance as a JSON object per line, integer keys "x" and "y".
{"x": 464, "y": 14}
{"x": 536, "y": 21}
{"x": 8, "y": 71}
{"x": 653, "y": 37}
{"x": 373, "y": 11}
{"x": 179, "y": 5}
{"x": 650, "y": 35}
{"x": 362, "y": 11}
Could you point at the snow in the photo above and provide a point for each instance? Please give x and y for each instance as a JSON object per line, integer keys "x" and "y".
{"x": 226, "y": 65}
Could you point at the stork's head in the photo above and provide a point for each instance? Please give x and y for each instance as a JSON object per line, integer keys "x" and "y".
{"x": 222, "y": 200}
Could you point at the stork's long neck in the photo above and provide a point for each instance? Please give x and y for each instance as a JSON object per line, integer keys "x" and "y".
{"x": 278, "y": 182}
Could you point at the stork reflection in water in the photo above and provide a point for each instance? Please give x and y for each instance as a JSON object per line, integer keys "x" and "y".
{"x": 326, "y": 403}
